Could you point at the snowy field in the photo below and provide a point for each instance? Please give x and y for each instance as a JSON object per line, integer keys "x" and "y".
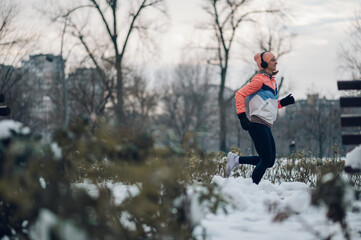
{"x": 251, "y": 218}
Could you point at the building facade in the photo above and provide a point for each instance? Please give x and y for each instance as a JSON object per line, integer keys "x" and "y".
{"x": 42, "y": 87}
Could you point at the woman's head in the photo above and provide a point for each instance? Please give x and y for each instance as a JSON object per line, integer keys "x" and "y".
{"x": 269, "y": 62}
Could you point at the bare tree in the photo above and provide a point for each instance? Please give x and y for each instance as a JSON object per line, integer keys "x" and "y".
{"x": 322, "y": 130}
{"x": 350, "y": 52}
{"x": 187, "y": 101}
{"x": 313, "y": 124}
{"x": 141, "y": 102}
{"x": 85, "y": 92}
{"x": 118, "y": 29}
{"x": 227, "y": 17}
{"x": 14, "y": 46}
{"x": 86, "y": 96}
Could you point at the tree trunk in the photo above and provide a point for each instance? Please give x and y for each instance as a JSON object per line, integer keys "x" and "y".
{"x": 222, "y": 113}
{"x": 120, "y": 101}
{"x": 320, "y": 147}
{"x": 222, "y": 126}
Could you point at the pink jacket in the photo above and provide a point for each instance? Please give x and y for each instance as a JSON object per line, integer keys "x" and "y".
{"x": 263, "y": 94}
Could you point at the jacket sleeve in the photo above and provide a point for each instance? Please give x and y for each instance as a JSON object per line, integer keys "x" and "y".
{"x": 252, "y": 87}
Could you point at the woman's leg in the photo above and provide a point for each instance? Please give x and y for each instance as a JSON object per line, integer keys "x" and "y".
{"x": 252, "y": 160}
{"x": 265, "y": 147}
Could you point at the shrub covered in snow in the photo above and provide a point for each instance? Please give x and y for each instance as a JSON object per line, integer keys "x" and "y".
{"x": 39, "y": 184}
{"x": 299, "y": 167}
{"x": 353, "y": 160}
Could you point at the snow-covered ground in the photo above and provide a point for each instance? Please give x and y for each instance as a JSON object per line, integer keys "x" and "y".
{"x": 251, "y": 219}
{"x": 353, "y": 158}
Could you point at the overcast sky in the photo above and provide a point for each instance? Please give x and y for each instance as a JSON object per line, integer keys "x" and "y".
{"x": 312, "y": 66}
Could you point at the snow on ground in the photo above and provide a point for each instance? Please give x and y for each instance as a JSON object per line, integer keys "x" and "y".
{"x": 353, "y": 158}
{"x": 250, "y": 217}
{"x": 120, "y": 191}
{"x": 7, "y": 126}
{"x": 252, "y": 220}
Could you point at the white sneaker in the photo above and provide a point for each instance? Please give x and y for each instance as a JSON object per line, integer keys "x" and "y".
{"x": 232, "y": 162}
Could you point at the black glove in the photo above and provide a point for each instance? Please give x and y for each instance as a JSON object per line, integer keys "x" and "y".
{"x": 287, "y": 100}
{"x": 4, "y": 111}
{"x": 244, "y": 121}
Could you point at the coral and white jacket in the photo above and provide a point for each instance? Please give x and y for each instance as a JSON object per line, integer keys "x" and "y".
{"x": 263, "y": 100}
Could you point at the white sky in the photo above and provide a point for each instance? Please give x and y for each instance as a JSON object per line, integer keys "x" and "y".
{"x": 312, "y": 66}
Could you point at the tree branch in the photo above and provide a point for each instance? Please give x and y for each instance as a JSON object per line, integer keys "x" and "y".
{"x": 95, "y": 62}
{"x": 218, "y": 25}
{"x": 111, "y": 35}
{"x": 67, "y": 14}
{"x": 131, "y": 27}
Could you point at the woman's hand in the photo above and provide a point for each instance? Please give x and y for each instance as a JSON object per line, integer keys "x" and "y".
{"x": 287, "y": 100}
{"x": 244, "y": 121}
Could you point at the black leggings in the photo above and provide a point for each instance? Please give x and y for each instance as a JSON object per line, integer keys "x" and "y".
{"x": 265, "y": 146}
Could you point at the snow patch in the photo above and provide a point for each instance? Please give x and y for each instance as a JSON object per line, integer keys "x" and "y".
{"x": 7, "y": 126}
{"x": 120, "y": 191}
{"x": 46, "y": 224}
{"x": 56, "y": 151}
{"x": 353, "y": 158}
{"x": 42, "y": 183}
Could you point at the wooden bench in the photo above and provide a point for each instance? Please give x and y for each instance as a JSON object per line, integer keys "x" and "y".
{"x": 4, "y": 110}
{"x": 350, "y": 120}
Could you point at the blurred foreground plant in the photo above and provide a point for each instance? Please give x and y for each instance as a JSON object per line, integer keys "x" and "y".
{"x": 40, "y": 197}
{"x": 336, "y": 195}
